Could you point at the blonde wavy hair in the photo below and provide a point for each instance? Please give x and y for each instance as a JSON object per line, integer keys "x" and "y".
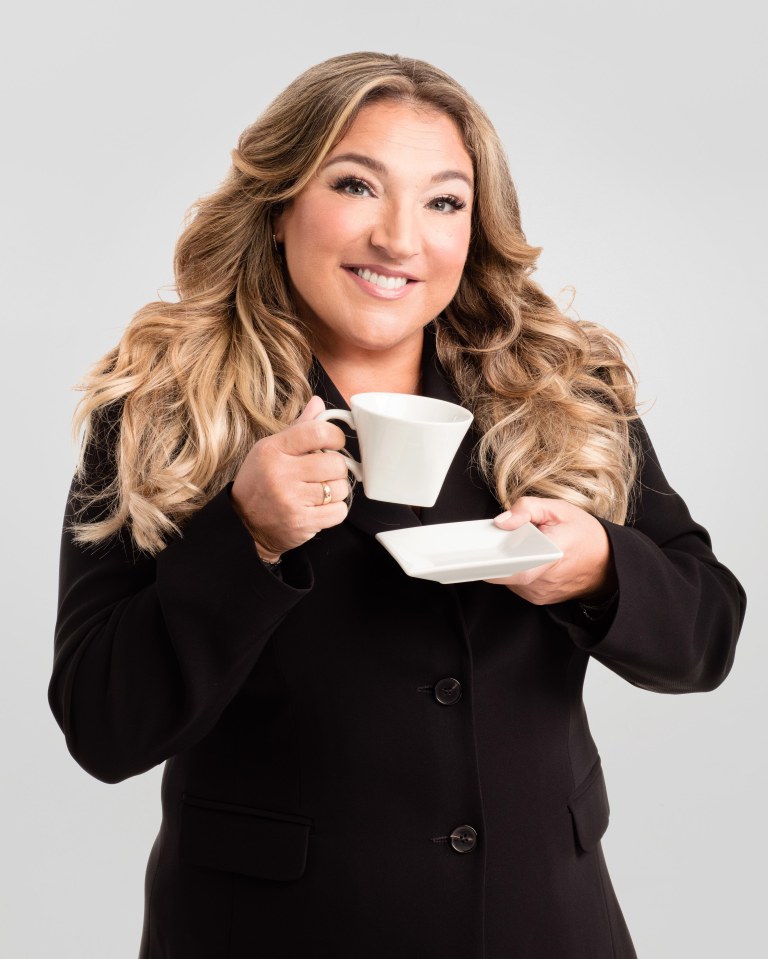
{"x": 193, "y": 384}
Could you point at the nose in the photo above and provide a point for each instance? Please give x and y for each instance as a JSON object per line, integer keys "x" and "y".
{"x": 396, "y": 232}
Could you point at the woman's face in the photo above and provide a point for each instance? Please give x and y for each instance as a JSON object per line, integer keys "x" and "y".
{"x": 376, "y": 243}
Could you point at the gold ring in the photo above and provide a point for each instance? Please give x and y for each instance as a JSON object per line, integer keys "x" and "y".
{"x": 326, "y": 494}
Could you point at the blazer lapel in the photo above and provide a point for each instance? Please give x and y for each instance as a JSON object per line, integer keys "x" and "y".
{"x": 464, "y": 495}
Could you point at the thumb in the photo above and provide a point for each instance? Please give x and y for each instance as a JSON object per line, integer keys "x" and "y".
{"x": 311, "y": 410}
{"x": 529, "y": 509}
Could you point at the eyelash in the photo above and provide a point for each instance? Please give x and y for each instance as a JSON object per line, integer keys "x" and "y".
{"x": 347, "y": 181}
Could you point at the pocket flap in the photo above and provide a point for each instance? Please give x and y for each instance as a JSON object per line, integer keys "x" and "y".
{"x": 589, "y": 809}
{"x": 253, "y": 842}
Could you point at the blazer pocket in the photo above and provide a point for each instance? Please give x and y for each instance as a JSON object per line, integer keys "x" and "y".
{"x": 589, "y": 809}
{"x": 240, "y": 839}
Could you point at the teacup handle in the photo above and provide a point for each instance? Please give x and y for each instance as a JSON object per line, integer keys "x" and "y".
{"x": 346, "y": 417}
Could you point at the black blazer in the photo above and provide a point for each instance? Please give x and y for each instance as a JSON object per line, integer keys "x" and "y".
{"x": 363, "y": 764}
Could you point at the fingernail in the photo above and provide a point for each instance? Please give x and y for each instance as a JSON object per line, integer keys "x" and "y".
{"x": 502, "y": 517}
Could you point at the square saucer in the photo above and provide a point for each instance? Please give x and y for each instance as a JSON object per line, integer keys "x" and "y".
{"x": 464, "y": 552}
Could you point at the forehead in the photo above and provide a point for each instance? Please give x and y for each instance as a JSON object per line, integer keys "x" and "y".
{"x": 414, "y": 132}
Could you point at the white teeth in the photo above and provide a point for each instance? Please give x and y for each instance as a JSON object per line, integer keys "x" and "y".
{"x": 383, "y": 282}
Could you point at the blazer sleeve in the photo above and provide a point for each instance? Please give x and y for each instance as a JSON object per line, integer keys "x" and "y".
{"x": 674, "y": 624}
{"x": 150, "y": 650}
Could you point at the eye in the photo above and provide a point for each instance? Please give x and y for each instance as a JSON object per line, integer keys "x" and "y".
{"x": 352, "y": 186}
{"x": 447, "y": 203}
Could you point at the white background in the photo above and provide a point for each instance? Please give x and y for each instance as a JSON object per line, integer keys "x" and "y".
{"x": 636, "y": 136}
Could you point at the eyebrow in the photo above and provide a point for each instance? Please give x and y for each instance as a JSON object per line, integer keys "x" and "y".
{"x": 378, "y": 167}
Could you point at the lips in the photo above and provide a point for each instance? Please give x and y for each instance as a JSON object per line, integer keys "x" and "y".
{"x": 381, "y": 280}
{"x": 380, "y": 270}
{"x": 390, "y": 286}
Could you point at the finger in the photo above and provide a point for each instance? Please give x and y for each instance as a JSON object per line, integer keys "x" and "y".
{"x": 532, "y": 509}
{"x": 324, "y": 517}
{"x": 330, "y": 491}
{"x": 527, "y": 578}
{"x": 321, "y": 467}
{"x": 311, "y": 410}
{"x": 311, "y": 435}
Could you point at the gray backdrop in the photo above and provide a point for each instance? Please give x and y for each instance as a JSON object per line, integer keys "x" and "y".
{"x": 636, "y": 135}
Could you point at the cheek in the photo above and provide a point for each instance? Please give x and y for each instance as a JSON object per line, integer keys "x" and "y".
{"x": 453, "y": 249}
{"x": 325, "y": 228}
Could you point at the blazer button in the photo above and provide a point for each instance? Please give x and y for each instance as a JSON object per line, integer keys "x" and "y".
{"x": 464, "y": 838}
{"x": 448, "y": 691}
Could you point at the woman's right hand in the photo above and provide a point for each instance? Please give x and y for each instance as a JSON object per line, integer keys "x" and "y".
{"x": 278, "y": 491}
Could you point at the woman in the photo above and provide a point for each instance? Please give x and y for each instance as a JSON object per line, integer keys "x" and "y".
{"x": 357, "y": 762}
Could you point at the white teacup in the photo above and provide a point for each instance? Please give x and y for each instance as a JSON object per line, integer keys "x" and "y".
{"x": 407, "y": 444}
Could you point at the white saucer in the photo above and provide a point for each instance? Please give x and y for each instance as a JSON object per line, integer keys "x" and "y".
{"x": 463, "y": 552}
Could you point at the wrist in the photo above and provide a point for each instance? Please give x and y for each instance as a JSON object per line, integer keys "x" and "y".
{"x": 267, "y": 557}
{"x": 605, "y": 583}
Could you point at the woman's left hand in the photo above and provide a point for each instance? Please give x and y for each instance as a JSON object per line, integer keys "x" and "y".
{"x": 586, "y": 571}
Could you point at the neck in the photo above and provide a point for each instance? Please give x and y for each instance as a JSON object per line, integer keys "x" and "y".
{"x": 390, "y": 371}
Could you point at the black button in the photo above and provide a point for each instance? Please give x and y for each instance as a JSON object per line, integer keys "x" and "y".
{"x": 448, "y": 691}
{"x": 464, "y": 838}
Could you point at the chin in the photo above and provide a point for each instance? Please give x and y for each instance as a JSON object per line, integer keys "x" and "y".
{"x": 381, "y": 340}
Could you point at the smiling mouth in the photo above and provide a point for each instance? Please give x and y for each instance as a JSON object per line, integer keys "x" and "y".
{"x": 380, "y": 280}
